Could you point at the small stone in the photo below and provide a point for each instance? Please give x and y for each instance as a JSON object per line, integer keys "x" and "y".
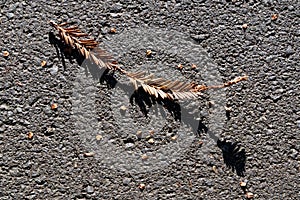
{"x": 200, "y": 37}
{"x": 26, "y": 122}
{"x": 227, "y": 109}
{"x": 90, "y": 189}
{"x": 249, "y": 195}
{"x": 289, "y": 51}
{"x": 99, "y": 137}
{"x": 194, "y": 66}
{"x": 272, "y": 78}
{"x": 115, "y": 15}
{"x": 174, "y": 137}
{"x": 245, "y": 26}
{"x": 49, "y": 131}
{"x": 123, "y": 108}
{"x": 129, "y": 145}
{"x": 116, "y": 7}
{"x": 144, "y": 157}
{"x": 151, "y": 141}
{"x": 35, "y": 174}
{"x": 4, "y": 107}
{"x": 243, "y": 184}
{"x": 10, "y": 15}
{"x": 142, "y": 186}
{"x": 148, "y": 52}
{"x": 214, "y": 168}
{"x": 89, "y": 154}
{"x": 269, "y": 58}
{"x": 209, "y": 183}
{"x": 139, "y": 134}
{"x": 41, "y": 180}
{"x": 10, "y": 114}
{"x": 53, "y": 70}
{"x": 27, "y": 165}
{"x": 275, "y": 97}
{"x": 290, "y": 7}
{"x": 19, "y": 110}
{"x": 293, "y": 153}
{"x": 126, "y": 181}
{"x": 169, "y": 134}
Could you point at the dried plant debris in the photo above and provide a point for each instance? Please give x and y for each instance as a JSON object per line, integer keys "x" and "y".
{"x": 30, "y": 135}
{"x": 54, "y": 106}
{"x": 155, "y": 86}
{"x": 148, "y": 52}
{"x": 113, "y": 30}
{"x": 179, "y": 66}
{"x": 5, "y": 54}
{"x": 274, "y": 17}
{"x": 43, "y": 63}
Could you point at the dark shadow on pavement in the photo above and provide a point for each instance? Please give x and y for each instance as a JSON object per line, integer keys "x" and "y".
{"x": 234, "y": 156}
{"x": 178, "y": 112}
{"x": 139, "y": 97}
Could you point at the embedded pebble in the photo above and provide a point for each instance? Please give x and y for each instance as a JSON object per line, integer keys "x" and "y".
{"x": 10, "y": 15}
{"x": 53, "y": 70}
{"x": 129, "y": 145}
{"x": 126, "y": 181}
{"x": 151, "y": 141}
{"x": 90, "y": 189}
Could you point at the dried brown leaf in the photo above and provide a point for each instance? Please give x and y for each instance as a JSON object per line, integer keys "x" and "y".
{"x": 157, "y": 87}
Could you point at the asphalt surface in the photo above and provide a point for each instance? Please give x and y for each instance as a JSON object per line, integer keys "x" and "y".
{"x": 258, "y": 142}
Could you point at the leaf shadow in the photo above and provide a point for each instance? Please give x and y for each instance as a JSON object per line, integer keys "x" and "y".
{"x": 234, "y": 156}
{"x": 173, "y": 107}
{"x": 138, "y": 97}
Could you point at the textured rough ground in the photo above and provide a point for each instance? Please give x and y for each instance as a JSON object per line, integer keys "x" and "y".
{"x": 264, "y": 118}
